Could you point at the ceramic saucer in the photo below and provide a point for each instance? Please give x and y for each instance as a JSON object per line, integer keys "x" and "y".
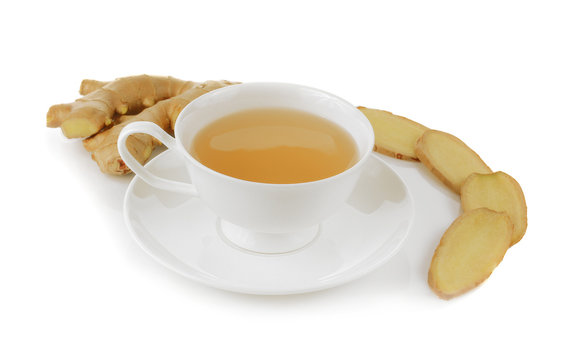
{"x": 181, "y": 233}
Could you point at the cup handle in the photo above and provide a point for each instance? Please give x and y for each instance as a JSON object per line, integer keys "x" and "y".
{"x": 146, "y": 127}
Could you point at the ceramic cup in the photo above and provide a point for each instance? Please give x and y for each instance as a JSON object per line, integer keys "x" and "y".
{"x": 259, "y": 217}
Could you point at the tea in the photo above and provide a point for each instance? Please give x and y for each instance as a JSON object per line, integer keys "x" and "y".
{"x": 274, "y": 145}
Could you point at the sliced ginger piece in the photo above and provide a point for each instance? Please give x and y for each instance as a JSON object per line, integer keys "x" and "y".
{"x": 394, "y": 135}
{"x": 500, "y": 192}
{"x": 469, "y": 251}
{"x": 448, "y": 158}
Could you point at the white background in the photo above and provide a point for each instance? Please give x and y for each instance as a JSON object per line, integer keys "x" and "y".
{"x": 501, "y": 75}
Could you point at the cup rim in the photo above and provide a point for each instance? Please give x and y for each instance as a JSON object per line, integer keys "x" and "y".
{"x": 362, "y": 159}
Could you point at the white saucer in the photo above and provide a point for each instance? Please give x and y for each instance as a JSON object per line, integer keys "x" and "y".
{"x": 181, "y": 233}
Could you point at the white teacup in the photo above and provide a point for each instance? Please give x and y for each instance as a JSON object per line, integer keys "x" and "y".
{"x": 259, "y": 217}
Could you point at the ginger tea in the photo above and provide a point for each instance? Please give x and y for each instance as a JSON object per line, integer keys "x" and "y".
{"x": 274, "y": 145}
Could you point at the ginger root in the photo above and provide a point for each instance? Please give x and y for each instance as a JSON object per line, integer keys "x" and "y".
{"x": 87, "y": 86}
{"x": 164, "y": 114}
{"x": 89, "y": 114}
{"x": 108, "y": 106}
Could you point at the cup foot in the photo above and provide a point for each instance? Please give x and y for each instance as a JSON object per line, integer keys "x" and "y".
{"x": 266, "y": 243}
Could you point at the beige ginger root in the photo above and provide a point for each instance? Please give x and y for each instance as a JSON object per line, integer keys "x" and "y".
{"x": 164, "y": 114}
{"x": 95, "y": 110}
{"x": 449, "y": 158}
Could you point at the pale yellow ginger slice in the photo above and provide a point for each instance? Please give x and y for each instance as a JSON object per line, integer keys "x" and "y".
{"x": 394, "y": 135}
{"x": 469, "y": 251}
{"x": 500, "y": 192}
{"x": 96, "y": 110}
{"x": 448, "y": 158}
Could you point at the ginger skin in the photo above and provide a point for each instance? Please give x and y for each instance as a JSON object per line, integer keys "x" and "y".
{"x": 89, "y": 114}
{"x": 164, "y": 114}
{"x": 87, "y": 86}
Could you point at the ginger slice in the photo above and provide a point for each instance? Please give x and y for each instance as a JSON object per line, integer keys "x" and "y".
{"x": 103, "y": 145}
{"x": 94, "y": 111}
{"x": 500, "y": 192}
{"x": 448, "y": 158}
{"x": 394, "y": 135}
{"x": 469, "y": 251}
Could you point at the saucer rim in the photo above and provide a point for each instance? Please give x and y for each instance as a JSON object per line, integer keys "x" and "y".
{"x": 368, "y": 265}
